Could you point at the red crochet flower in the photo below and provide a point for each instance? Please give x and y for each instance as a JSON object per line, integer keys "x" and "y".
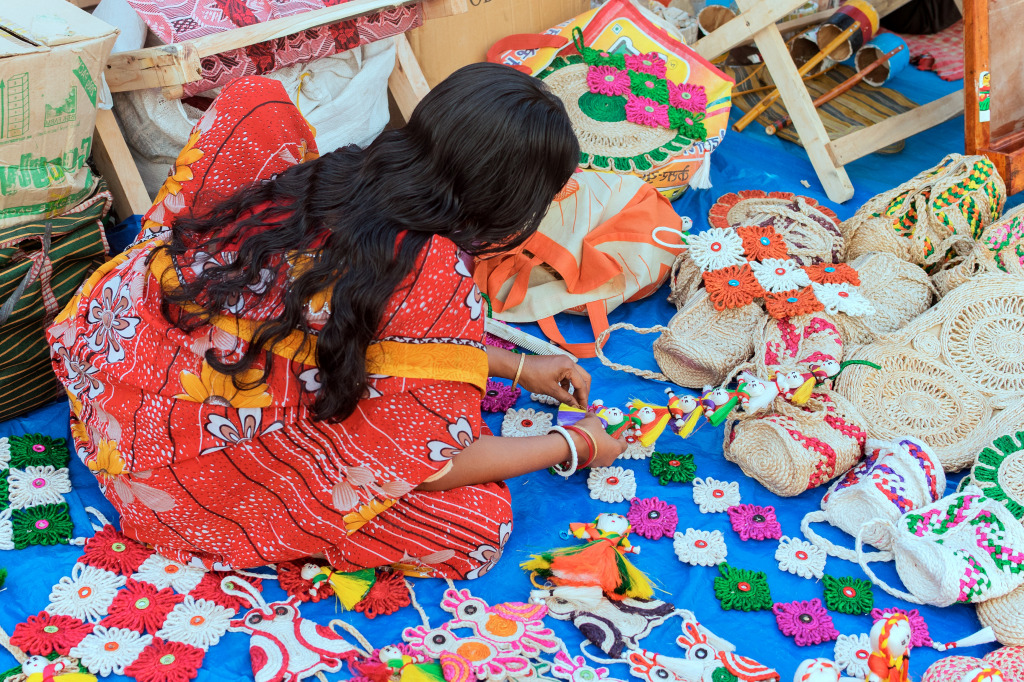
{"x": 113, "y": 551}
{"x": 792, "y": 303}
{"x": 210, "y": 590}
{"x": 45, "y": 633}
{"x": 732, "y": 287}
{"x": 141, "y": 607}
{"x": 762, "y": 242}
{"x": 833, "y": 273}
{"x": 650, "y": 63}
{"x": 388, "y": 594}
{"x": 166, "y": 662}
{"x": 289, "y": 575}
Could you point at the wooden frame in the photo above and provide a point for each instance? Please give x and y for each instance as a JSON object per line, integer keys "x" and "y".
{"x": 1004, "y": 149}
{"x": 827, "y": 156}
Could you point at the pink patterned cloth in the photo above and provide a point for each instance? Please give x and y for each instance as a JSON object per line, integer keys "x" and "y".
{"x": 175, "y": 22}
{"x": 946, "y": 48}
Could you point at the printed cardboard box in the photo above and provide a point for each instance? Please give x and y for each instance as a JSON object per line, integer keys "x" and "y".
{"x": 52, "y": 57}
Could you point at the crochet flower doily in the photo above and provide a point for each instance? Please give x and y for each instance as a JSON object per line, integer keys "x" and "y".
{"x": 525, "y": 422}
{"x": 807, "y": 622}
{"x": 163, "y": 572}
{"x": 108, "y": 651}
{"x": 86, "y": 594}
{"x": 196, "y": 622}
{"x": 611, "y": 484}
{"x": 754, "y": 522}
{"x": 671, "y": 468}
{"x": 800, "y": 557}
{"x": 762, "y": 242}
{"x": 499, "y": 396}
{"x": 716, "y": 248}
{"x": 741, "y": 589}
{"x": 45, "y": 633}
{"x": 849, "y": 595}
{"x": 652, "y": 518}
{"x": 999, "y": 472}
{"x": 919, "y": 634}
{"x": 776, "y": 275}
{"x": 636, "y": 450}
{"x": 713, "y": 496}
{"x": 33, "y": 481}
{"x": 852, "y": 653}
{"x": 833, "y": 273}
{"x": 843, "y": 298}
{"x": 700, "y": 547}
{"x": 35, "y": 485}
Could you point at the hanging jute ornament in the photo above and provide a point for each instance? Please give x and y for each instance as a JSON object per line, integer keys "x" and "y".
{"x": 1005, "y": 615}
{"x": 917, "y": 220}
{"x": 899, "y": 291}
{"x": 954, "y": 377}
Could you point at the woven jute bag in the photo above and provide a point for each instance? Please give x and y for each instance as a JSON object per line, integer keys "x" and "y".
{"x": 998, "y": 471}
{"x": 793, "y": 343}
{"x": 1000, "y": 248}
{"x": 899, "y": 291}
{"x": 916, "y": 221}
{"x": 953, "y": 377}
{"x": 795, "y": 448}
{"x": 700, "y": 345}
{"x": 1005, "y": 615}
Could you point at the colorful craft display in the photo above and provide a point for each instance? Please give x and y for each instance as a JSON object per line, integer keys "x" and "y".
{"x": 511, "y": 626}
{"x": 33, "y": 481}
{"x": 684, "y": 411}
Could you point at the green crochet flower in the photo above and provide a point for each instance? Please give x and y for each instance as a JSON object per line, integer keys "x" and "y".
{"x": 667, "y": 467}
{"x": 4, "y": 491}
{"x": 44, "y": 524}
{"x": 603, "y": 58}
{"x": 688, "y": 123}
{"x": 646, "y": 85}
{"x": 36, "y": 449}
{"x": 742, "y": 590}
{"x": 999, "y": 472}
{"x": 849, "y": 595}
{"x": 722, "y": 674}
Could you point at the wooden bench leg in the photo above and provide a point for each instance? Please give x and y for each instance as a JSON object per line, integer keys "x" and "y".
{"x": 115, "y": 163}
{"x": 407, "y": 83}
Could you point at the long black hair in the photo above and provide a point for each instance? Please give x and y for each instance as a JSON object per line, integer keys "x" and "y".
{"x": 479, "y": 162}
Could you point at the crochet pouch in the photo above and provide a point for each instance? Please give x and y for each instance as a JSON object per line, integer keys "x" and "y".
{"x": 916, "y": 221}
{"x": 797, "y": 342}
{"x": 964, "y": 548}
{"x": 898, "y": 291}
{"x": 894, "y": 478}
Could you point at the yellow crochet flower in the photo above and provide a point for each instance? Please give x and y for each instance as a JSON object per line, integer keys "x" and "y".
{"x": 360, "y": 517}
{"x": 213, "y": 388}
{"x": 182, "y": 171}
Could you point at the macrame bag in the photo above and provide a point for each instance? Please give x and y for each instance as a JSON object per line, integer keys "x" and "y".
{"x": 600, "y": 227}
{"x": 899, "y": 291}
{"x": 964, "y": 548}
{"x": 894, "y": 478}
{"x": 1000, "y": 248}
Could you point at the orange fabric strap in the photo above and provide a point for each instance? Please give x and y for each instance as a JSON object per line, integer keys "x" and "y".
{"x": 598, "y": 323}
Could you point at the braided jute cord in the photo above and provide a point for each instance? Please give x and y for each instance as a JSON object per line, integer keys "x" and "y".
{"x": 351, "y": 629}
{"x": 644, "y": 373}
{"x": 5, "y": 642}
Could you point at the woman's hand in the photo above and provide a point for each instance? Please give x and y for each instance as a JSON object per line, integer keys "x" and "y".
{"x": 608, "y": 448}
{"x": 553, "y": 375}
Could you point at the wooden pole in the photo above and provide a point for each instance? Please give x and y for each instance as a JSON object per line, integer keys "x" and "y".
{"x": 811, "y": 63}
{"x": 773, "y": 128}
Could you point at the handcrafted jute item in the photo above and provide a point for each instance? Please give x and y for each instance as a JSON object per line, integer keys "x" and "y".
{"x": 1005, "y": 615}
{"x": 898, "y": 290}
{"x": 700, "y": 345}
{"x": 999, "y": 472}
{"x": 916, "y": 221}
{"x": 953, "y": 377}
{"x": 793, "y": 343}
{"x": 1000, "y": 248}
{"x": 796, "y": 448}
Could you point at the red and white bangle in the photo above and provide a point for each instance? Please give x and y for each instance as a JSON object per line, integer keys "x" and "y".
{"x": 589, "y": 440}
{"x": 571, "y": 466}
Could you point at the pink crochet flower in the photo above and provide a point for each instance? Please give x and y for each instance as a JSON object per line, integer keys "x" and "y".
{"x": 646, "y": 112}
{"x": 498, "y": 397}
{"x": 651, "y": 63}
{"x": 687, "y": 96}
{"x": 754, "y": 522}
{"x": 807, "y": 622}
{"x": 919, "y": 635}
{"x": 652, "y": 518}
{"x": 607, "y": 80}
{"x": 498, "y": 342}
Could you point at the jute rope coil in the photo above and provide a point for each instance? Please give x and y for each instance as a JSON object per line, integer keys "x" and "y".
{"x": 954, "y": 377}
{"x": 899, "y": 291}
{"x": 1005, "y": 615}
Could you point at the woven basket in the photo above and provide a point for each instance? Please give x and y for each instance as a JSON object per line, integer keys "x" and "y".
{"x": 954, "y": 377}
{"x": 794, "y": 342}
{"x": 1005, "y": 615}
{"x": 685, "y": 281}
{"x": 900, "y": 291}
{"x": 700, "y": 346}
{"x": 959, "y": 196}
{"x": 794, "y": 449}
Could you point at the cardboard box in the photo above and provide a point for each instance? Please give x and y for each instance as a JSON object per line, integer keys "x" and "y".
{"x": 445, "y": 44}
{"x": 52, "y": 57}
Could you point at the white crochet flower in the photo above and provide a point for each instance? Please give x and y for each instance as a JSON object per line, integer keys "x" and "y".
{"x": 86, "y": 594}
{"x": 700, "y": 547}
{"x": 843, "y": 298}
{"x": 611, "y": 484}
{"x": 800, "y": 557}
{"x": 715, "y": 496}
{"x": 5, "y": 453}
{"x": 545, "y": 399}
{"x": 6, "y": 530}
{"x": 716, "y": 248}
{"x": 198, "y": 622}
{"x": 162, "y": 572}
{"x": 37, "y": 485}
{"x": 107, "y": 651}
{"x": 777, "y": 274}
{"x": 851, "y": 653}
{"x": 637, "y": 450}
{"x": 525, "y": 422}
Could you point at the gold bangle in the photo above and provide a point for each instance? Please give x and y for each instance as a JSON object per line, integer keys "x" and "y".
{"x": 522, "y": 361}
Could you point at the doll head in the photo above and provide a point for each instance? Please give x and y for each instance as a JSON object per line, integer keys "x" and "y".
{"x": 612, "y": 523}
{"x": 891, "y": 636}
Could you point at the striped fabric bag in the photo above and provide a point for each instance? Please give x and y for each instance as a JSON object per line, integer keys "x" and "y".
{"x": 42, "y": 264}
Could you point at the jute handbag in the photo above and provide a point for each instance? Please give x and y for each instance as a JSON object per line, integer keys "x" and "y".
{"x": 42, "y": 264}
{"x": 794, "y": 343}
{"x": 915, "y": 221}
{"x": 1005, "y": 615}
{"x": 1000, "y": 248}
{"x": 953, "y": 377}
{"x": 898, "y": 290}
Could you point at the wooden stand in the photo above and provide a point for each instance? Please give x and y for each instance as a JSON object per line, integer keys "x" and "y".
{"x": 172, "y": 66}
{"x": 827, "y": 156}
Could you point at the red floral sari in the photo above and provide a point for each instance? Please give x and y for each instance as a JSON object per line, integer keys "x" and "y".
{"x": 205, "y": 471}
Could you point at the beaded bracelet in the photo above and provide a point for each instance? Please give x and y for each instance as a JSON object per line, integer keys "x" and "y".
{"x": 566, "y": 469}
{"x": 589, "y": 440}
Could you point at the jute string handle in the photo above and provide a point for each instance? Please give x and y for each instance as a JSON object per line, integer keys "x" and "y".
{"x": 644, "y": 373}
{"x": 832, "y": 549}
{"x": 5, "y": 642}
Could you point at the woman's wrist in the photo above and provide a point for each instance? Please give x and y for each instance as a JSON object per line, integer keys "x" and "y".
{"x": 561, "y": 448}
{"x": 501, "y": 363}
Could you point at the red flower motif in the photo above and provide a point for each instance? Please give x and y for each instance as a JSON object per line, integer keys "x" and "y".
{"x": 45, "y": 633}
{"x": 210, "y": 590}
{"x": 792, "y": 303}
{"x": 113, "y": 551}
{"x": 762, "y": 242}
{"x": 650, "y": 63}
{"x": 289, "y": 576}
{"x": 833, "y": 273}
{"x": 166, "y": 662}
{"x": 388, "y": 594}
{"x": 141, "y": 607}
{"x": 732, "y": 287}
{"x": 645, "y": 111}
